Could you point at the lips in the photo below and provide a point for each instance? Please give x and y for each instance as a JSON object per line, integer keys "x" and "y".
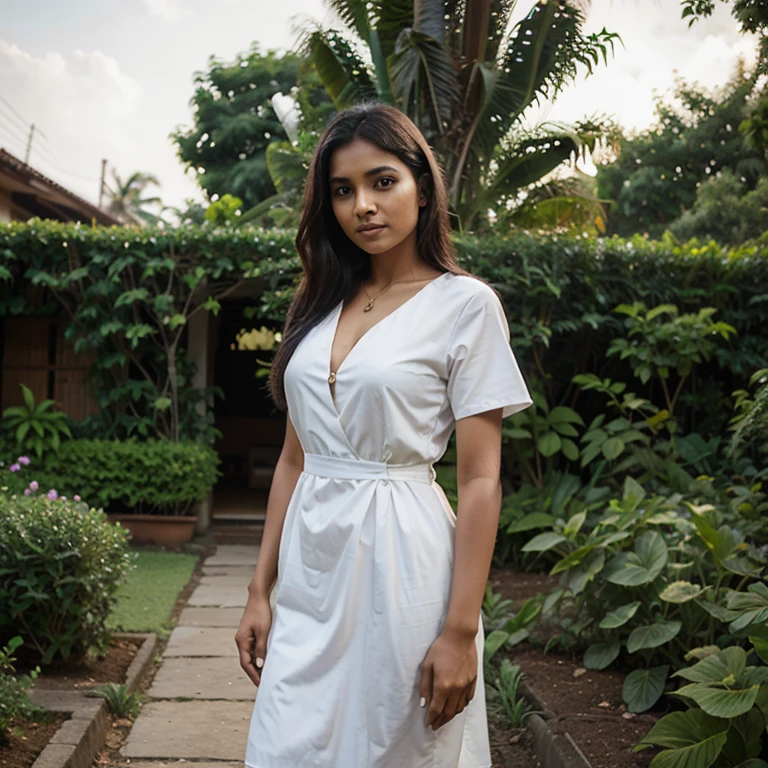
{"x": 370, "y": 227}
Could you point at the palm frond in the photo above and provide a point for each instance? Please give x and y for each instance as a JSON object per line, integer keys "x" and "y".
{"x": 355, "y": 14}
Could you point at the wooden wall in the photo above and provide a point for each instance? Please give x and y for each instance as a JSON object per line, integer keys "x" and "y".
{"x": 35, "y": 353}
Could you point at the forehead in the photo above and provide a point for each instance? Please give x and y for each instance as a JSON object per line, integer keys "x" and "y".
{"x": 359, "y": 156}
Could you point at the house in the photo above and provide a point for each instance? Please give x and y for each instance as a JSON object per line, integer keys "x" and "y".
{"x": 26, "y": 193}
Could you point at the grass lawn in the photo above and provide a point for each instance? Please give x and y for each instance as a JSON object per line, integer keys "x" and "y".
{"x": 146, "y": 598}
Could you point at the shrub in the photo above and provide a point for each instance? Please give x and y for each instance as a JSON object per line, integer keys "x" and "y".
{"x": 152, "y": 476}
{"x": 14, "y": 702}
{"x": 60, "y": 565}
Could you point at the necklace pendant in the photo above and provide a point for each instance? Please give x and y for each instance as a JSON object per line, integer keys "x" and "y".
{"x": 369, "y": 306}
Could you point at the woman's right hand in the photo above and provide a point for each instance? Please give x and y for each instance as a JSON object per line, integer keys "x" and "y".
{"x": 251, "y": 636}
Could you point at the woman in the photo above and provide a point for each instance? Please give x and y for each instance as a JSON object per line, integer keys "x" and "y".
{"x": 372, "y": 657}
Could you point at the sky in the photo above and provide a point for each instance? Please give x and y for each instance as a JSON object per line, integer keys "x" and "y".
{"x": 110, "y": 79}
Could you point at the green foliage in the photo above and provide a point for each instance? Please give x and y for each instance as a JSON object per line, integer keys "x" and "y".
{"x": 506, "y": 630}
{"x": 35, "y": 426}
{"x": 650, "y": 577}
{"x": 730, "y": 722}
{"x": 150, "y": 476}
{"x": 655, "y": 347}
{"x": 234, "y": 122}
{"x": 14, "y": 702}
{"x": 514, "y": 706}
{"x": 468, "y": 89}
{"x": 60, "y": 565}
{"x": 224, "y": 211}
{"x": 122, "y": 701}
{"x": 660, "y": 172}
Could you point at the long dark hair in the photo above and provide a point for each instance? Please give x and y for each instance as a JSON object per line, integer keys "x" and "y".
{"x": 333, "y": 266}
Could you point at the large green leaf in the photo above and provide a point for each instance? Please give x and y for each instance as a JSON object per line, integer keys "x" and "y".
{"x": 632, "y": 569}
{"x": 543, "y": 542}
{"x": 693, "y": 739}
{"x": 643, "y": 687}
{"x": 721, "y": 702}
{"x": 681, "y": 592}
{"x": 530, "y": 522}
{"x": 620, "y": 616}
{"x": 727, "y": 664}
{"x": 601, "y": 655}
{"x": 653, "y": 635}
{"x": 342, "y": 72}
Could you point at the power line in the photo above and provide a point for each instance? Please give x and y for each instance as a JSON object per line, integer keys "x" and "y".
{"x": 24, "y": 123}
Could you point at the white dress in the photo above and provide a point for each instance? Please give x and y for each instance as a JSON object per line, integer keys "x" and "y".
{"x": 366, "y": 553}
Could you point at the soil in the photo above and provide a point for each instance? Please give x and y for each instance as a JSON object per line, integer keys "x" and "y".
{"x": 29, "y": 739}
{"x": 519, "y": 587}
{"x": 586, "y": 704}
{"x": 111, "y": 668}
{"x": 510, "y": 747}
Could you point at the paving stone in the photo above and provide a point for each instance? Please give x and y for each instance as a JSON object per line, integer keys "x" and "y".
{"x": 211, "y": 617}
{"x": 201, "y": 641}
{"x": 202, "y": 730}
{"x": 56, "y": 755}
{"x": 182, "y": 764}
{"x": 224, "y": 596}
{"x": 202, "y": 678}
{"x": 234, "y": 554}
{"x": 243, "y": 571}
{"x": 239, "y": 582}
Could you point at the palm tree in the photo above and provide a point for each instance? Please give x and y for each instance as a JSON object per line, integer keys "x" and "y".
{"x": 466, "y": 76}
{"x": 126, "y": 200}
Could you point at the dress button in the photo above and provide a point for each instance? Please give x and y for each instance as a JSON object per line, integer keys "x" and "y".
{"x": 331, "y": 377}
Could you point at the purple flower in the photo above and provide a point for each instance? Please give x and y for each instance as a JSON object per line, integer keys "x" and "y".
{"x": 33, "y": 486}
{"x": 63, "y": 498}
{"x": 23, "y": 460}
{"x": 76, "y": 498}
{"x": 15, "y": 467}
{"x": 53, "y": 495}
{"x": 27, "y": 492}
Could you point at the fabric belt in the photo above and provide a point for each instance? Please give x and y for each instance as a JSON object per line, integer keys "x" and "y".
{"x": 360, "y": 469}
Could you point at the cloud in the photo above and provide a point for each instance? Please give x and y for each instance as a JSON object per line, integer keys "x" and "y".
{"x": 170, "y": 10}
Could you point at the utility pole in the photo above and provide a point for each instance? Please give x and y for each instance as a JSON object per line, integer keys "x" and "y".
{"x": 29, "y": 143}
{"x": 101, "y": 187}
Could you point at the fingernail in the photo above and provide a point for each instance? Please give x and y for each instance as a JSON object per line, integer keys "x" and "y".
{"x": 422, "y": 702}
{"x": 259, "y": 663}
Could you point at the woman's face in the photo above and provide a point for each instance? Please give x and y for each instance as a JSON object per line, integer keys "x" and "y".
{"x": 374, "y": 196}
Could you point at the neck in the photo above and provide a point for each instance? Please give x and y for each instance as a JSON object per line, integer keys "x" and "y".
{"x": 399, "y": 263}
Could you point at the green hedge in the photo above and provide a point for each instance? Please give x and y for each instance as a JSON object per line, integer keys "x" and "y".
{"x": 559, "y": 293}
{"x": 153, "y": 476}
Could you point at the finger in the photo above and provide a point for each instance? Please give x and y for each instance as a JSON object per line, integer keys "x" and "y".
{"x": 246, "y": 661}
{"x": 259, "y": 652}
{"x": 425, "y": 685}
{"x": 463, "y": 701}
{"x": 449, "y": 710}
{"x": 471, "y": 694}
{"x": 436, "y": 705}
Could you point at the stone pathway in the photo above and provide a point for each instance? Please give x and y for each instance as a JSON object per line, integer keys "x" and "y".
{"x": 200, "y": 700}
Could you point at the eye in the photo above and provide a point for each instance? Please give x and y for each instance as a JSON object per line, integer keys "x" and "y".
{"x": 390, "y": 181}
{"x": 338, "y": 191}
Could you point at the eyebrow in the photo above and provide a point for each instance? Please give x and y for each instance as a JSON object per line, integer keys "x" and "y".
{"x": 372, "y": 172}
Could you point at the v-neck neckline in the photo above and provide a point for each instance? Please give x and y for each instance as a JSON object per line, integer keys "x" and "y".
{"x": 337, "y": 318}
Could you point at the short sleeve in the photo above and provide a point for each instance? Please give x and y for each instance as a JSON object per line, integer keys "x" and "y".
{"x": 483, "y": 373}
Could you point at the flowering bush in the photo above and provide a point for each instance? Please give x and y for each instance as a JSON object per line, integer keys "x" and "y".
{"x": 60, "y": 565}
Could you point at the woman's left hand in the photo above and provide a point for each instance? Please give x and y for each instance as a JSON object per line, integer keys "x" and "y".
{"x": 448, "y": 676}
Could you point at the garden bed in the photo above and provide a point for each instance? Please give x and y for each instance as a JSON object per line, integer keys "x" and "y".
{"x": 583, "y": 703}
{"x": 29, "y": 739}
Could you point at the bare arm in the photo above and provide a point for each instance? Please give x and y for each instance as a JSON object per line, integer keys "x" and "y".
{"x": 252, "y": 634}
{"x": 449, "y": 671}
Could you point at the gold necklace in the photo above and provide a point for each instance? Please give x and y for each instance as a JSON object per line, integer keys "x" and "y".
{"x": 369, "y": 306}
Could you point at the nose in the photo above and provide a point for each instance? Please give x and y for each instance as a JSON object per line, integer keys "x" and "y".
{"x": 364, "y": 204}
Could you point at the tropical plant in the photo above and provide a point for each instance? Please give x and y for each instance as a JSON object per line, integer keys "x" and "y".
{"x": 665, "y": 345}
{"x": 466, "y": 76}
{"x": 728, "y": 718}
{"x": 121, "y": 700}
{"x": 510, "y": 631}
{"x": 127, "y": 198}
{"x": 35, "y": 426}
{"x": 651, "y": 576}
{"x": 514, "y": 706}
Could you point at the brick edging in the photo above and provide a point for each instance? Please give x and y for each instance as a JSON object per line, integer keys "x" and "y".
{"x": 80, "y": 738}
